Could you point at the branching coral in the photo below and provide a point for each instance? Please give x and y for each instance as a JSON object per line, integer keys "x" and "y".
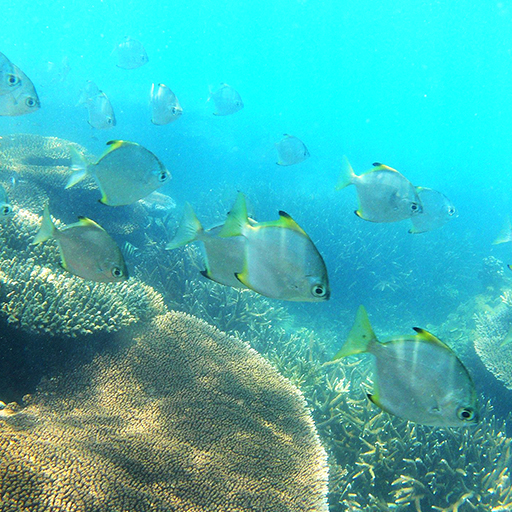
{"x": 39, "y": 296}
{"x": 184, "y": 419}
{"x": 382, "y": 463}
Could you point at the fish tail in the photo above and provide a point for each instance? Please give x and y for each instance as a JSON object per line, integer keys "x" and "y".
{"x": 505, "y": 234}
{"x": 237, "y": 218}
{"x": 47, "y": 229}
{"x": 78, "y": 166}
{"x": 188, "y": 231}
{"x": 347, "y": 174}
{"x": 360, "y": 338}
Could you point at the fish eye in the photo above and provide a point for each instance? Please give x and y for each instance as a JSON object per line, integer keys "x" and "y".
{"x": 117, "y": 272}
{"x": 30, "y": 102}
{"x": 414, "y": 207}
{"x": 451, "y": 210}
{"x": 162, "y": 176}
{"x": 13, "y": 80}
{"x": 465, "y": 414}
{"x": 318, "y": 290}
{"x": 6, "y": 210}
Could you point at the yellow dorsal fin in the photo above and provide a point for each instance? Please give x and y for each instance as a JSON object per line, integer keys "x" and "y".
{"x": 84, "y": 221}
{"x": 430, "y": 338}
{"x": 286, "y": 221}
{"x": 114, "y": 144}
{"x": 381, "y": 167}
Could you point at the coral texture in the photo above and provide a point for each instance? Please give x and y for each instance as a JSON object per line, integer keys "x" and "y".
{"x": 492, "y": 327}
{"x": 185, "y": 418}
{"x": 40, "y": 297}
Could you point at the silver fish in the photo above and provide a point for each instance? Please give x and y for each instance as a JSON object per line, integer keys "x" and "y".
{"x": 437, "y": 211}
{"x": 131, "y": 54}
{"x": 227, "y": 100}
{"x": 165, "y": 106}
{"x": 125, "y": 173}
{"x": 280, "y": 259}
{"x": 417, "y": 377}
{"x": 101, "y": 113}
{"x": 88, "y": 92}
{"x": 6, "y": 210}
{"x": 384, "y": 194}
{"x": 291, "y": 150}
{"x": 9, "y": 80}
{"x": 86, "y": 249}
{"x": 22, "y": 99}
{"x": 223, "y": 257}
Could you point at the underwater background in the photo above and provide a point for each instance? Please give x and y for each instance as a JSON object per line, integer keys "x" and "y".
{"x": 423, "y": 87}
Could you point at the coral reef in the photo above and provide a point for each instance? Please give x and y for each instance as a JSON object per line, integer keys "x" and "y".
{"x": 382, "y": 463}
{"x": 492, "y": 327}
{"x": 40, "y": 167}
{"x": 44, "y": 161}
{"x": 183, "y": 418}
{"x": 40, "y": 297}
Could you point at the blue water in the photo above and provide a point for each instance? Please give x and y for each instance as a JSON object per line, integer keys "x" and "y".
{"x": 422, "y": 87}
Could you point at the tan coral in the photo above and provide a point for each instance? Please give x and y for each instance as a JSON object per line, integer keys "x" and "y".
{"x": 185, "y": 419}
{"x": 492, "y": 327}
{"x": 40, "y": 297}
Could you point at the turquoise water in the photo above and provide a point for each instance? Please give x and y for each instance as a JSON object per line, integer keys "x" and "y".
{"x": 422, "y": 87}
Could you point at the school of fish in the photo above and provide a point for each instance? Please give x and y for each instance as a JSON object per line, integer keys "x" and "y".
{"x": 417, "y": 377}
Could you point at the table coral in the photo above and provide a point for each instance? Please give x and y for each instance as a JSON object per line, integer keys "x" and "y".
{"x": 184, "y": 418}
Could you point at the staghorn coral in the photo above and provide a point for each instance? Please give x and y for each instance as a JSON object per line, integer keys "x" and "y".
{"x": 40, "y": 297}
{"x": 184, "y": 418}
{"x": 382, "y": 463}
{"x": 492, "y": 327}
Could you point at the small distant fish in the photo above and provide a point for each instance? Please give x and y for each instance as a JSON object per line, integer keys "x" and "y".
{"x": 125, "y": 173}
{"x": 88, "y": 92}
{"x": 505, "y": 235}
{"x": 437, "y": 211}
{"x": 227, "y": 100}
{"x": 86, "y": 249}
{"x": 131, "y": 54}
{"x": 60, "y": 71}
{"x": 384, "y": 194}
{"x": 101, "y": 113}
{"x": 418, "y": 377}
{"x": 291, "y": 150}
{"x": 165, "y": 106}
{"x": 18, "y": 95}
{"x": 158, "y": 204}
{"x": 224, "y": 257}
{"x": 6, "y": 210}
{"x": 280, "y": 259}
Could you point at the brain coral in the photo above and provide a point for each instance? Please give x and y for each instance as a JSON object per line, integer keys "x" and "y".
{"x": 183, "y": 418}
{"x": 40, "y": 297}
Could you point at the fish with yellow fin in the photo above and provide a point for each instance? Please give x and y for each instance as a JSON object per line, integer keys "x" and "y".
{"x": 223, "y": 257}
{"x": 384, "y": 194}
{"x": 417, "y": 377}
{"x": 86, "y": 249}
{"x": 280, "y": 260}
{"x": 127, "y": 172}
